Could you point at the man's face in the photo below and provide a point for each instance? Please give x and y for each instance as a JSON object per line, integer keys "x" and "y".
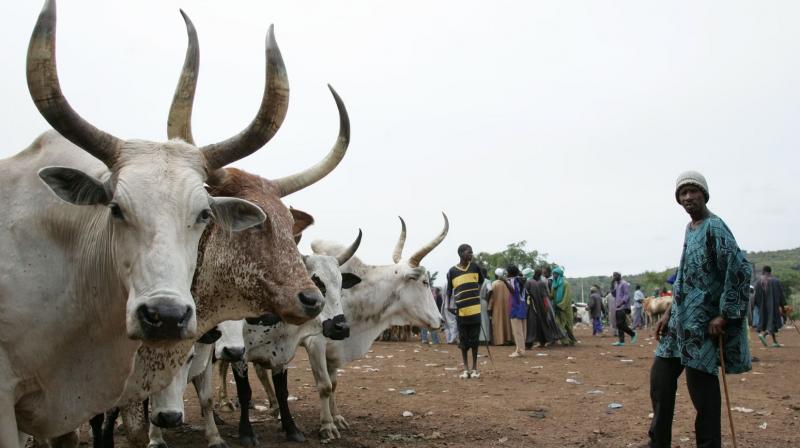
{"x": 617, "y": 277}
{"x": 691, "y": 198}
{"x": 466, "y": 255}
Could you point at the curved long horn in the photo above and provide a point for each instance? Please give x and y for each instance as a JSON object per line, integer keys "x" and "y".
{"x": 420, "y": 254}
{"x": 46, "y": 93}
{"x": 179, "y": 123}
{"x": 401, "y": 241}
{"x": 350, "y": 251}
{"x": 268, "y": 120}
{"x": 296, "y": 182}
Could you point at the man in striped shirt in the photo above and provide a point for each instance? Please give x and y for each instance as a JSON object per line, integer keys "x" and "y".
{"x": 463, "y": 290}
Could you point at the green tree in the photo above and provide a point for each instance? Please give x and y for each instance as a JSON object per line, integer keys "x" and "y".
{"x": 514, "y": 254}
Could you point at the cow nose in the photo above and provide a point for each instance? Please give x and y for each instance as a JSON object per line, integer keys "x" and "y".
{"x": 312, "y": 302}
{"x": 167, "y": 419}
{"x": 163, "y": 322}
{"x": 232, "y": 354}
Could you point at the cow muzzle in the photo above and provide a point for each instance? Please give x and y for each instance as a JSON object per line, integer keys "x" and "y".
{"x": 232, "y": 354}
{"x": 336, "y": 328}
{"x": 160, "y": 321}
{"x": 312, "y": 302}
{"x": 167, "y": 419}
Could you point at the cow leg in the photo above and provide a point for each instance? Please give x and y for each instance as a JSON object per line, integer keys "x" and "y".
{"x": 265, "y": 376}
{"x": 246, "y": 435}
{"x": 315, "y": 346}
{"x": 281, "y": 380}
{"x": 96, "y": 423}
{"x": 204, "y": 386}
{"x": 156, "y": 437}
{"x": 224, "y": 401}
{"x": 107, "y": 436}
{"x": 337, "y": 417}
{"x": 135, "y": 420}
{"x": 9, "y": 434}
{"x": 68, "y": 440}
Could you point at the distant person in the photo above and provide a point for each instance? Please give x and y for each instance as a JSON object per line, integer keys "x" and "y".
{"x": 424, "y": 331}
{"x": 622, "y": 308}
{"x": 547, "y": 277}
{"x": 542, "y": 328}
{"x": 518, "y": 309}
{"x": 595, "y": 307}
{"x": 486, "y": 323}
{"x": 463, "y": 285}
{"x": 769, "y": 301}
{"x": 611, "y": 312}
{"x": 559, "y": 293}
{"x": 710, "y": 301}
{"x": 638, "y": 307}
{"x": 498, "y": 310}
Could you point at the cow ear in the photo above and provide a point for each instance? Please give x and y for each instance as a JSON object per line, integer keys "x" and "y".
{"x": 74, "y": 186}
{"x": 301, "y": 221}
{"x": 211, "y": 336}
{"x": 236, "y": 214}
{"x": 349, "y": 280}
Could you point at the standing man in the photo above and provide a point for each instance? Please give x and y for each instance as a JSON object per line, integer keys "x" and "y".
{"x": 622, "y": 307}
{"x": 769, "y": 301}
{"x": 710, "y": 301}
{"x": 486, "y": 324}
{"x": 638, "y": 302}
{"x": 499, "y": 299}
{"x": 596, "y": 310}
{"x": 464, "y": 282}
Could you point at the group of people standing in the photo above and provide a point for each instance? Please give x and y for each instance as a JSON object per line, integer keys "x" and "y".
{"x": 525, "y": 308}
{"x": 617, "y": 309}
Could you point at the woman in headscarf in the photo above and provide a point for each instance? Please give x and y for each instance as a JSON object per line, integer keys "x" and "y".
{"x": 517, "y": 309}
{"x": 559, "y": 293}
{"x": 498, "y": 310}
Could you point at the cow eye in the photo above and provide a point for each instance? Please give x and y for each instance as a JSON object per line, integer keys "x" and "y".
{"x": 204, "y": 216}
{"x": 317, "y": 281}
{"x": 116, "y": 211}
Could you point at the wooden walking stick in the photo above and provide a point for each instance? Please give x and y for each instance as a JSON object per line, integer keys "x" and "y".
{"x": 725, "y": 386}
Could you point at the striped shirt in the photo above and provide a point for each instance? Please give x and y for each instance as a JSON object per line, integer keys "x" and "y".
{"x": 464, "y": 286}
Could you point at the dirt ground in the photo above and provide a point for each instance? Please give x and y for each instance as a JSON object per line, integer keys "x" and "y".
{"x": 518, "y": 402}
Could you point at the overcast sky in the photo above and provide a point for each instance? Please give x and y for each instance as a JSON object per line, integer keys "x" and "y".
{"x": 560, "y": 123}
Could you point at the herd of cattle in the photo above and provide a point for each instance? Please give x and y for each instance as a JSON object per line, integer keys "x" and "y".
{"x": 130, "y": 265}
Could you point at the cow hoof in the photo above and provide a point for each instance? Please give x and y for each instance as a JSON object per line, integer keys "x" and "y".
{"x": 218, "y": 420}
{"x": 219, "y": 445}
{"x": 248, "y": 441}
{"x": 295, "y": 436}
{"x": 227, "y": 405}
{"x": 328, "y": 431}
{"x": 157, "y": 445}
{"x": 341, "y": 422}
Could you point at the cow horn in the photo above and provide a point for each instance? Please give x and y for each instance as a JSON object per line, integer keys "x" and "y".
{"x": 46, "y": 93}
{"x": 420, "y": 254}
{"x": 179, "y": 123}
{"x": 267, "y": 121}
{"x": 401, "y": 241}
{"x": 289, "y": 184}
{"x": 350, "y": 251}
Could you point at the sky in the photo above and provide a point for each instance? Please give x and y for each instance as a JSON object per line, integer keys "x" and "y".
{"x": 560, "y": 123}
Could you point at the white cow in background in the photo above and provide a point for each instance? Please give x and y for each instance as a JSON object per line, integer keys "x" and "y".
{"x": 166, "y": 406}
{"x": 394, "y": 294}
{"x": 271, "y": 343}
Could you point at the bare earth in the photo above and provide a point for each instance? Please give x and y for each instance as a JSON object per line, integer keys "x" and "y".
{"x": 518, "y": 402}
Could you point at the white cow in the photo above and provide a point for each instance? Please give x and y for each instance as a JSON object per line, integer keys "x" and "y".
{"x": 166, "y": 406}
{"x": 395, "y": 294}
{"x": 271, "y": 344}
{"x": 99, "y": 249}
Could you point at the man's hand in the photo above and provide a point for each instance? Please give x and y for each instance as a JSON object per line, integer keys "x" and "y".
{"x": 717, "y": 326}
{"x": 661, "y": 326}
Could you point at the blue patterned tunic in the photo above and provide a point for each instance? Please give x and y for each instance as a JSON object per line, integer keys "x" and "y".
{"x": 713, "y": 280}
